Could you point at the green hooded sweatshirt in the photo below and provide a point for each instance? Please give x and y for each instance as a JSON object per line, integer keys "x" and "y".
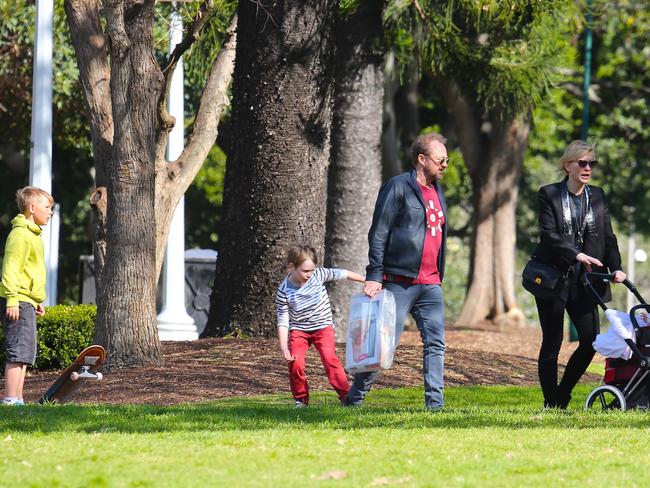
{"x": 23, "y": 266}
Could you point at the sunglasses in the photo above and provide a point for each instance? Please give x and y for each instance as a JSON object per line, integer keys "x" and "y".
{"x": 583, "y": 163}
{"x": 440, "y": 161}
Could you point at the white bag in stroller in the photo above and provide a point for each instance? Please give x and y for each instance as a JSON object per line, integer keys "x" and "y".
{"x": 612, "y": 343}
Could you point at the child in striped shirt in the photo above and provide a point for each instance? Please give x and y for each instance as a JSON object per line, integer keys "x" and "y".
{"x": 305, "y": 318}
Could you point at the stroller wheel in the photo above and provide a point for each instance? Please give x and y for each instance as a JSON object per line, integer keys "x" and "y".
{"x": 605, "y": 397}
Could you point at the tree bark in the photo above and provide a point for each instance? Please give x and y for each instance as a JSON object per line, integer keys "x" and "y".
{"x": 493, "y": 150}
{"x": 390, "y": 147}
{"x": 137, "y": 190}
{"x": 356, "y": 150}
{"x": 90, "y": 49}
{"x": 276, "y": 177}
{"x": 407, "y": 110}
{"x": 127, "y": 296}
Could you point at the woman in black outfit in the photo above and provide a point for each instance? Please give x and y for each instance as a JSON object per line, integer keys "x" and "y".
{"x": 575, "y": 235}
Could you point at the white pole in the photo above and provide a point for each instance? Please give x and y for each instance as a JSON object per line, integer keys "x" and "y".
{"x": 174, "y": 323}
{"x": 40, "y": 164}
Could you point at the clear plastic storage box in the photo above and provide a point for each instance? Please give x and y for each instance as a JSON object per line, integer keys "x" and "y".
{"x": 372, "y": 338}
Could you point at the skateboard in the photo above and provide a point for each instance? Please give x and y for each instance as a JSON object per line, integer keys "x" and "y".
{"x": 70, "y": 380}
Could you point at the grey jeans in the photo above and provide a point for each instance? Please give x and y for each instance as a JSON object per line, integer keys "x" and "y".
{"x": 427, "y": 307}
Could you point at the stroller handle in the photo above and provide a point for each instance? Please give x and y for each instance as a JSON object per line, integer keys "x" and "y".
{"x": 609, "y": 277}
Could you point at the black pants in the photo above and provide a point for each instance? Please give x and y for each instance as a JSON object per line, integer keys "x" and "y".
{"x": 584, "y": 315}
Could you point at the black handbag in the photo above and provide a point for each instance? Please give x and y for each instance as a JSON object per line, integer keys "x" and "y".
{"x": 543, "y": 280}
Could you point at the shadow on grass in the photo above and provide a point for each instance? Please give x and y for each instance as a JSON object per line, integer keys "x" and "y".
{"x": 468, "y": 408}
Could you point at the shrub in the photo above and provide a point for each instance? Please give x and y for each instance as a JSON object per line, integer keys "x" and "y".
{"x": 63, "y": 332}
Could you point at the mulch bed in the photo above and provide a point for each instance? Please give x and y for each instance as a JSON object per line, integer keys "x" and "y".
{"x": 215, "y": 368}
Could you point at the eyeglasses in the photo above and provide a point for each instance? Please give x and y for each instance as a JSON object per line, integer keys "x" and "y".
{"x": 440, "y": 161}
{"x": 583, "y": 163}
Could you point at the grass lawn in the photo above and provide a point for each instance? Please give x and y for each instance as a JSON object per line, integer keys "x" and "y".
{"x": 487, "y": 436}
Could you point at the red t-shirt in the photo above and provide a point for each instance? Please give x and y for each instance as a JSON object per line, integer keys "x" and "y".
{"x": 428, "y": 274}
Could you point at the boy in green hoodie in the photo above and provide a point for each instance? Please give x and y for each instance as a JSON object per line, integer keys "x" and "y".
{"x": 22, "y": 288}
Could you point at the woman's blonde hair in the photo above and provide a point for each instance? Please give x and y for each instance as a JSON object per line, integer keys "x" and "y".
{"x": 573, "y": 152}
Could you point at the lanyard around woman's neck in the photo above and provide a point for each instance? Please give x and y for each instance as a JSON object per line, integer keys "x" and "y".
{"x": 583, "y": 221}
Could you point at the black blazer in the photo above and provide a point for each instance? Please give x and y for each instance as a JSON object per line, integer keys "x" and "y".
{"x": 559, "y": 250}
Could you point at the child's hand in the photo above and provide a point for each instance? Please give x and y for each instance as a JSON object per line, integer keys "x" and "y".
{"x": 288, "y": 356}
{"x": 13, "y": 313}
{"x": 40, "y": 309}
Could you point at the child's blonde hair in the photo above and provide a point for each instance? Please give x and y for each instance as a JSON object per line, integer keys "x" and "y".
{"x": 573, "y": 151}
{"x": 299, "y": 254}
{"x": 26, "y": 196}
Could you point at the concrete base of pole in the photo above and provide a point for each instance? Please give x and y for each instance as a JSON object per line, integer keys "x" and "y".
{"x": 176, "y": 327}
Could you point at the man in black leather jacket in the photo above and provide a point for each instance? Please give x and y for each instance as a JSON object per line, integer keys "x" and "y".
{"x": 407, "y": 256}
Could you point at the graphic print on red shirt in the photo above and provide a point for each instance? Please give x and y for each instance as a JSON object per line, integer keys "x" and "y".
{"x": 428, "y": 274}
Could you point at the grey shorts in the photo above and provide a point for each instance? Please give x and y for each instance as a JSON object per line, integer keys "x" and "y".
{"x": 20, "y": 335}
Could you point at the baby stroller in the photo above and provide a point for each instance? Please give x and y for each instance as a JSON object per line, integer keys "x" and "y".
{"x": 626, "y": 346}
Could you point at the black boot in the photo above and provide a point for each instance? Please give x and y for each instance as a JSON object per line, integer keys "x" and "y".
{"x": 563, "y": 400}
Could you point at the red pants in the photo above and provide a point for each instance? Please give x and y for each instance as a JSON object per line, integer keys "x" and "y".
{"x": 323, "y": 339}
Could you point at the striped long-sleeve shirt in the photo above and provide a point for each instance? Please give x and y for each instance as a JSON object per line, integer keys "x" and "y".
{"x": 307, "y": 307}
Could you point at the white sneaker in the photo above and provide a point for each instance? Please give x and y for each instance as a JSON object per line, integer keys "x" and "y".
{"x": 299, "y": 404}
{"x": 10, "y": 401}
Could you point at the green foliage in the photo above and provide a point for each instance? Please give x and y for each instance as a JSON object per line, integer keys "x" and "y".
{"x": 620, "y": 118}
{"x": 347, "y": 7}
{"x": 503, "y": 54}
{"x": 63, "y": 332}
{"x": 203, "y": 201}
{"x": 197, "y": 62}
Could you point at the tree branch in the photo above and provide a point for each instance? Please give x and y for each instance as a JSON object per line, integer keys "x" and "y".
{"x": 94, "y": 73}
{"x": 193, "y": 31}
{"x": 173, "y": 179}
{"x": 115, "y": 28}
{"x": 167, "y": 122}
{"x": 420, "y": 11}
{"x": 213, "y": 101}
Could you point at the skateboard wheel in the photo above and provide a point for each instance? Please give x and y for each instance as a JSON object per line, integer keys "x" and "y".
{"x": 74, "y": 376}
{"x": 100, "y": 376}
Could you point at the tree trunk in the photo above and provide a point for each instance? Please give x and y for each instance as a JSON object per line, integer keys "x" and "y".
{"x": 276, "y": 177}
{"x": 407, "y": 110}
{"x": 390, "y": 147}
{"x": 127, "y": 295}
{"x": 84, "y": 21}
{"x": 137, "y": 189}
{"x": 493, "y": 150}
{"x": 356, "y": 152}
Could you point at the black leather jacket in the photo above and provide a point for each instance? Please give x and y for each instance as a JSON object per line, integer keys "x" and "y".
{"x": 396, "y": 237}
